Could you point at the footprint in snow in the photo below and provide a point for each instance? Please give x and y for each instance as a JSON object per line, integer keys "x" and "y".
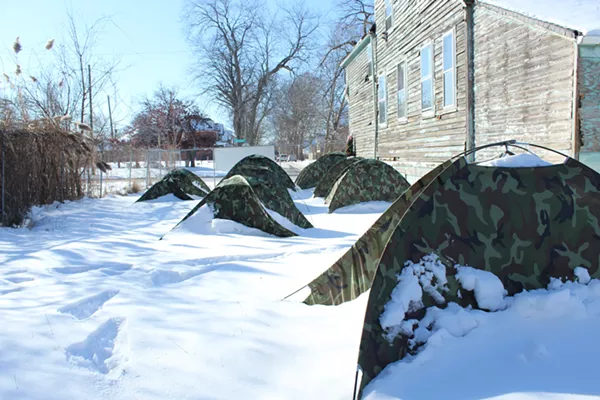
{"x": 88, "y": 306}
{"x": 104, "y": 350}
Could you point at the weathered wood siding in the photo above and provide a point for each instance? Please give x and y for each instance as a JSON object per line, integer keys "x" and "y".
{"x": 524, "y": 80}
{"x": 589, "y": 111}
{"x": 361, "y": 107}
{"x": 423, "y": 141}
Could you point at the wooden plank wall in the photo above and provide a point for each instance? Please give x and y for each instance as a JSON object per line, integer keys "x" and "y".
{"x": 524, "y": 81}
{"x": 361, "y": 108}
{"x": 418, "y": 145}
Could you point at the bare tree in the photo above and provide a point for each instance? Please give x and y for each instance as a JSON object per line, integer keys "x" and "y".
{"x": 240, "y": 50}
{"x": 356, "y": 13}
{"x": 297, "y": 115}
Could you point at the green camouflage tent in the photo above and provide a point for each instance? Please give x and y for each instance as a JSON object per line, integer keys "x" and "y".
{"x": 270, "y": 183}
{"x": 235, "y": 200}
{"x": 181, "y": 183}
{"x": 525, "y": 225}
{"x": 366, "y": 180}
{"x": 331, "y": 176}
{"x": 262, "y": 168}
{"x": 353, "y": 273}
{"x": 277, "y": 198}
{"x": 311, "y": 175}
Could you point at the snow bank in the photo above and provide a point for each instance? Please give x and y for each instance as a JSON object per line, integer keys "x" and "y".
{"x": 524, "y": 160}
{"x": 539, "y": 344}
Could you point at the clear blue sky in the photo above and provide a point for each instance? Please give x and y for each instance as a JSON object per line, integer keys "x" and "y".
{"x": 146, "y": 35}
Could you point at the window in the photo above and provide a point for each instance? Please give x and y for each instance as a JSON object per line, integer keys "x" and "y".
{"x": 382, "y": 100}
{"x": 449, "y": 51}
{"x": 427, "y": 77}
{"x": 370, "y": 59}
{"x": 389, "y": 14}
{"x": 402, "y": 90}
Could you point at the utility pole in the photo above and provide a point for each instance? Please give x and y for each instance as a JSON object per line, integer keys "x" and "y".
{"x": 112, "y": 133}
{"x": 90, "y": 90}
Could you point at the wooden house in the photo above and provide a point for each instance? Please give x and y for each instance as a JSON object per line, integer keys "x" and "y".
{"x": 437, "y": 77}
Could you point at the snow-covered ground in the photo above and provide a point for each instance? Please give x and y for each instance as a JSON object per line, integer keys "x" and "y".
{"x": 94, "y": 306}
{"x": 539, "y": 344}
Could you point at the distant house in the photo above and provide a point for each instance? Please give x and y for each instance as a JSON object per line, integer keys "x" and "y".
{"x": 436, "y": 77}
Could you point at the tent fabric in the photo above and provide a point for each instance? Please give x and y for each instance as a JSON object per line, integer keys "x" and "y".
{"x": 181, "y": 183}
{"x": 366, "y": 180}
{"x": 278, "y": 199}
{"x": 270, "y": 183}
{"x": 235, "y": 200}
{"x": 328, "y": 180}
{"x": 262, "y": 168}
{"x": 353, "y": 273}
{"x": 310, "y": 176}
{"x": 525, "y": 225}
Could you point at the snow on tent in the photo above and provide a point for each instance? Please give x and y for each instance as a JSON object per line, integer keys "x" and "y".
{"x": 180, "y": 182}
{"x": 366, "y": 180}
{"x": 525, "y": 225}
{"x": 310, "y": 176}
{"x": 353, "y": 273}
{"x": 328, "y": 180}
{"x": 262, "y": 168}
{"x": 234, "y": 199}
{"x": 270, "y": 183}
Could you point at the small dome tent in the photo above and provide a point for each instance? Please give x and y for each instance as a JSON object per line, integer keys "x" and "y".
{"x": 180, "y": 182}
{"x": 366, "y": 180}
{"x": 263, "y": 168}
{"x": 235, "y": 200}
{"x": 309, "y": 177}
{"x": 525, "y": 225}
{"x": 331, "y": 176}
{"x": 270, "y": 183}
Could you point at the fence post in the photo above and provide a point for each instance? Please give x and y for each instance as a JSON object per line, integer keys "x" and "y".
{"x": 130, "y": 166}
{"x": 3, "y": 186}
{"x": 148, "y": 168}
{"x": 214, "y": 169}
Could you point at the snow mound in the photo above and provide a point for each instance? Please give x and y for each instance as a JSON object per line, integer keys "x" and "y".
{"x": 489, "y": 291}
{"x": 524, "y": 160}
{"x": 539, "y": 344}
{"x": 407, "y": 295}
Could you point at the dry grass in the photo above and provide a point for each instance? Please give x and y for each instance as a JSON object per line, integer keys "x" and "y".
{"x": 135, "y": 188}
{"x": 42, "y": 164}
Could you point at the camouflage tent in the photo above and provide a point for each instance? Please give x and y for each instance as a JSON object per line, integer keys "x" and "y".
{"x": 181, "y": 183}
{"x": 270, "y": 183}
{"x": 235, "y": 200}
{"x": 525, "y": 225}
{"x": 278, "y": 199}
{"x": 366, "y": 180}
{"x": 331, "y": 176}
{"x": 311, "y": 175}
{"x": 262, "y": 168}
{"x": 353, "y": 273}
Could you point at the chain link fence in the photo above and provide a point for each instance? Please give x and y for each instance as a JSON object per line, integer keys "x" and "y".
{"x": 134, "y": 170}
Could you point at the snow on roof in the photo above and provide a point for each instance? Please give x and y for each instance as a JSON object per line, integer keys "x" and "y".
{"x": 581, "y": 15}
